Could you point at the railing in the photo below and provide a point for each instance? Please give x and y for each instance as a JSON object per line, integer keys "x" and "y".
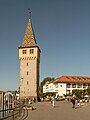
{"x": 11, "y": 114}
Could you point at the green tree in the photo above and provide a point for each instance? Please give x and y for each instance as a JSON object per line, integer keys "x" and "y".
{"x": 47, "y": 79}
{"x": 81, "y": 93}
{"x": 88, "y": 91}
{"x": 78, "y": 93}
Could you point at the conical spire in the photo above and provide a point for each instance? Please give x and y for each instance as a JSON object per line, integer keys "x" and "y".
{"x": 29, "y": 37}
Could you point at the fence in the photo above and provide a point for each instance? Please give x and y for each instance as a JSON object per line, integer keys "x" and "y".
{"x": 10, "y": 114}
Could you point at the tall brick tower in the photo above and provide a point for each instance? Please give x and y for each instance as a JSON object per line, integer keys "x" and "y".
{"x": 29, "y": 60}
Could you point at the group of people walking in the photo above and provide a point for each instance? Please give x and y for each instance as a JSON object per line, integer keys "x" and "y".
{"x": 75, "y": 102}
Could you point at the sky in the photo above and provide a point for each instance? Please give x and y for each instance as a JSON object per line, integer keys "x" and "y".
{"x": 62, "y": 30}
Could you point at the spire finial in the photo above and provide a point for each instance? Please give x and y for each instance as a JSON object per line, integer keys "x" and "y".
{"x": 29, "y": 13}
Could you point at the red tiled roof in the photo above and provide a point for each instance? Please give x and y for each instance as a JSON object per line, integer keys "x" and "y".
{"x": 72, "y": 79}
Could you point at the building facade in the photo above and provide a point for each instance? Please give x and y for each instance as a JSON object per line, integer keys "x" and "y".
{"x": 58, "y": 88}
{"x": 29, "y": 60}
{"x": 64, "y": 85}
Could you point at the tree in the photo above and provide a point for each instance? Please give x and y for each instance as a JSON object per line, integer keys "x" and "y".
{"x": 47, "y": 79}
{"x": 88, "y": 91}
{"x": 78, "y": 93}
{"x": 81, "y": 93}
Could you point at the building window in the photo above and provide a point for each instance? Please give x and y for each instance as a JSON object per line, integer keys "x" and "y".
{"x": 84, "y": 85}
{"x": 79, "y": 85}
{"x": 31, "y": 51}
{"x": 27, "y": 64}
{"x": 60, "y": 85}
{"x": 68, "y": 85}
{"x": 73, "y": 85}
{"x": 24, "y": 51}
{"x": 46, "y": 86}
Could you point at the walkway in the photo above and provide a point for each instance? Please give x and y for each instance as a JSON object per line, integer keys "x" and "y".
{"x": 62, "y": 111}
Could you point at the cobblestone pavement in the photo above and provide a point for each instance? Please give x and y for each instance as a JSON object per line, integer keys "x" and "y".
{"x": 63, "y": 111}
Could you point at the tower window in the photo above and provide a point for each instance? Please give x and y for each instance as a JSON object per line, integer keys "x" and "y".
{"x": 24, "y": 51}
{"x": 27, "y": 73}
{"x": 27, "y": 64}
{"x": 31, "y": 51}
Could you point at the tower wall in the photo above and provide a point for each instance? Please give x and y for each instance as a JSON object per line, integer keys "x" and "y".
{"x": 29, "y": 72}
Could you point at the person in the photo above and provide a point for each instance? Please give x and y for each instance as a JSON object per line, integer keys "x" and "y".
{"x": 53, "y": 101}
{"x": 34, "y": 100}
{"x": 73, "y": 102}
{"x": 78, "y": 103}
{"x": 30, "y": 101}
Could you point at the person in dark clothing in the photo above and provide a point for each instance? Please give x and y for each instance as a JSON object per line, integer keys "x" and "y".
{"x": 73, "y": 102}
{"x": 34, "y": 100}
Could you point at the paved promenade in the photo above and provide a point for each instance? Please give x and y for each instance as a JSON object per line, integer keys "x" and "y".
{"x": 62, "y": 111}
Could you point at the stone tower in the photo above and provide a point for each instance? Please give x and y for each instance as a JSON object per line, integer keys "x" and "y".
{"x": 29, "y": 60}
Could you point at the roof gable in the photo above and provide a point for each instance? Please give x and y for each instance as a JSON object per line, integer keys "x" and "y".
{"x": 72, "y": 79}
{"x": 29, "y": 37}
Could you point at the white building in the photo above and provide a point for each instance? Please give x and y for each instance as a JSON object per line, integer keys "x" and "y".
{"x": 65, "y": 84}
{"x": 49, "y": 87}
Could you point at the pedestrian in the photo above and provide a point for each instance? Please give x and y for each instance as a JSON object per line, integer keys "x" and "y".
{"x": 78, "y": 103}
{"x": 53, "y": 101}
{"x": 34, "y": 100}
{"x": 30, "y": 101}
{"x": 73, "y": 102}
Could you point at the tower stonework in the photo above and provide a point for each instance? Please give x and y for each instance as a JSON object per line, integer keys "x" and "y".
{"x": 29, "y": 60}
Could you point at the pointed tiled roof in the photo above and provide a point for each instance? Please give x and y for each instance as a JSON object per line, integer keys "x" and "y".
{"x": 73, "y": 79}
{"x": 29, "y": 37}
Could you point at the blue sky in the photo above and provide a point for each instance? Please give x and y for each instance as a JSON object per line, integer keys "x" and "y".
{"x": 62, "y": 29}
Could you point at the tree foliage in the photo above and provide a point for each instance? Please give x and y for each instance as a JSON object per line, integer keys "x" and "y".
{"x": 88, "y": 91}
{"x": 81, "y": 93}
{"x": 78, "y": 93}
{"x": 47, "y": 79}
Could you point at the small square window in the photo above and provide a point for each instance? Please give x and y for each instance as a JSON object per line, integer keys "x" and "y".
{"x": 73, "y": 85}
{"x": 24, "y": 51}
{"x": 79, "y": 85}
{"x": 84, "y": 85}
{"x": 31, "y": 51}
{"x": 60, "y": 85}
{"x": 68, "y": 85}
